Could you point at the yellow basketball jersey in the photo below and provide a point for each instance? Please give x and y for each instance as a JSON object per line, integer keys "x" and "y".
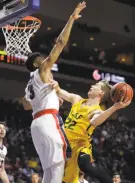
{"x": 77, "y": 125}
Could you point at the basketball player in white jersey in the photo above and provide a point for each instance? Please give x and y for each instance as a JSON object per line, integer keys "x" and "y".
{"x": 47, "y": 134}
{"x": 3, "y": 153}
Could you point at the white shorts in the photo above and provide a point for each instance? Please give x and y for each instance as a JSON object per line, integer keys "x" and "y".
{"x": 48, "y": 140}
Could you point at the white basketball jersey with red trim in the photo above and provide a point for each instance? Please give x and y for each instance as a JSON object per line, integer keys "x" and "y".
{"x": 3, "y": 153}
{"x": 40, "y": 95}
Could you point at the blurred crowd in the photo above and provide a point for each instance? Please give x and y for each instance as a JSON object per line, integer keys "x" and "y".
{"x": 113, "y": 145}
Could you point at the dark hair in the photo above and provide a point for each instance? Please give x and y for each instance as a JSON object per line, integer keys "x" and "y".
{"x": 2, "y": 123}
{"x": 116, "y": 173}
{"x": 30, "y": 60}
{"x": 81, "y": 173}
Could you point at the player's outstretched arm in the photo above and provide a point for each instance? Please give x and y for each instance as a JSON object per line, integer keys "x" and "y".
{"x": 63, "y": 38}
{"x": 3, "y": 175}
{"x": 70, "y": 97}
{"x": 102, "y": 116}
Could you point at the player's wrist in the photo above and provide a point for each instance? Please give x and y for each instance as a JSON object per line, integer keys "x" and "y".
{"x": 57, "y": 89}
{"x": 73, "y": 17}
{"x": 115, "y": 108}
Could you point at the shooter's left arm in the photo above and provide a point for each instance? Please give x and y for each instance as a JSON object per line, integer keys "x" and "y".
{"x": 102, "y": 116}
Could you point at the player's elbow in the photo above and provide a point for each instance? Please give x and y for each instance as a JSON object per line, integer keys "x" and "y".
{"x": 27, "y": 107}
{"x": 96, "y": 120}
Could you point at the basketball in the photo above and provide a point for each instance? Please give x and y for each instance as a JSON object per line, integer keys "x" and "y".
{"x": 121, "y": 90}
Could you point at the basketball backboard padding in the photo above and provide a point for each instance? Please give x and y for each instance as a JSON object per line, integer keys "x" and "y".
{"x": 13, "y": 15}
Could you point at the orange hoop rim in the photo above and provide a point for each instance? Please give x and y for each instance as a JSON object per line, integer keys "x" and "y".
{"x": 27, "y": 18}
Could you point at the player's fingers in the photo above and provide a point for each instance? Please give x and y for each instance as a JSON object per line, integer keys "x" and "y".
{"x": 83, "y": 3}
{"x": 51, "y": 80}
{"x": 122, "y": 99}
{"x": 127, "y": 100}
{"x": 53, "y": 86}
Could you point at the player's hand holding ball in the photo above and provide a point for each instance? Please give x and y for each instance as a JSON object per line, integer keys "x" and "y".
{"x": 122, "y": 95}
{"x": 122, "y": 104}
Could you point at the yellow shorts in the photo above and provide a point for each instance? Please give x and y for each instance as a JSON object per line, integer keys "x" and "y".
{"x": 71, "y": 172}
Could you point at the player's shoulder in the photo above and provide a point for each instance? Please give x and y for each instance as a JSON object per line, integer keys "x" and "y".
{"x": 81, "y": 100}
{"x": 77, "y": 100}
{"x": 36, "y": 77}
{"x": 34, "y": 73}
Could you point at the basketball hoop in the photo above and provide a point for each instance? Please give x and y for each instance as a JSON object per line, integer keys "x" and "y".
{"x": 17, "y": 36}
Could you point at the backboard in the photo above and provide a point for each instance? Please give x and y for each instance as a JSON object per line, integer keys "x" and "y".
{"x": 13, "y": 10}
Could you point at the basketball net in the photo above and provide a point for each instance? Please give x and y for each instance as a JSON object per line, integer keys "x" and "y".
{"x": 17, "y": 36}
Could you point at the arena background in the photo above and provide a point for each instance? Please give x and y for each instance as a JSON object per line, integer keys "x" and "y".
{"x": 101, "y": 46}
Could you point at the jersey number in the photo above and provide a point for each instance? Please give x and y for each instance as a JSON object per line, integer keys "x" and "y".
{"x": 31, "y": 90}
{"x": 70, "y": 124}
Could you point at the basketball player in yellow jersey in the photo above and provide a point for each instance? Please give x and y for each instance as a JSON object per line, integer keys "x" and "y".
{"x": 84, "y": 117}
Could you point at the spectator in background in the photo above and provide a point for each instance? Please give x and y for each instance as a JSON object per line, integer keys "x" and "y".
{"x": 10, "y": 176}
{"x": 32, "y": 163}
{"x": 81, "y": 178}
{"x": 101, "y": 56}
{"x": 3, "y": 153}
{"x": 116, "y": 178}
{"x": 35, "y": 178}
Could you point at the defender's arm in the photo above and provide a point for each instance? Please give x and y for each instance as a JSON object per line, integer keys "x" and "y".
{"x": 63, "y": 38}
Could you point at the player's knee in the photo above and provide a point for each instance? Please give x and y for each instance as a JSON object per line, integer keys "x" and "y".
{"x": 86, "y": 167}
{"x": 83, "y": 161}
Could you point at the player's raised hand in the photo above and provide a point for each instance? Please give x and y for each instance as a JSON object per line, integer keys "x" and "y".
{"x": 76, "y": 14}
{"x": 122, "y": 103}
